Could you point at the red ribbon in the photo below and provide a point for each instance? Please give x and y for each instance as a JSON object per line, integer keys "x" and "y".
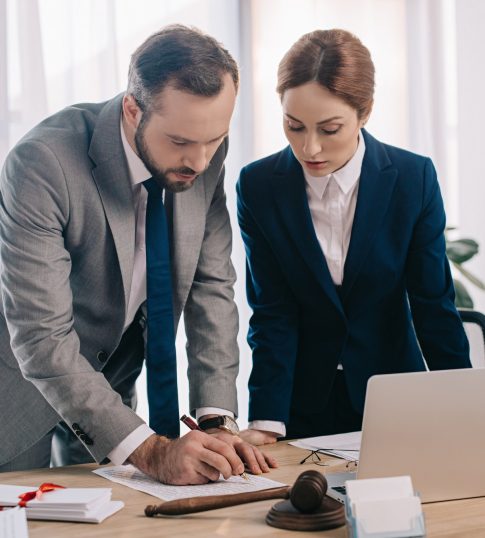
{"x": 43, "y": 488}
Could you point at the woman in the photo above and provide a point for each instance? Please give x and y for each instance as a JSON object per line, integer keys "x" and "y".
{"x": 347, "y": 274}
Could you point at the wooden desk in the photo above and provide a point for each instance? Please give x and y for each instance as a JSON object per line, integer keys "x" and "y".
{"x": 457, "y": 519}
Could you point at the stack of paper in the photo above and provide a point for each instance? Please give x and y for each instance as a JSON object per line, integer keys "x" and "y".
{"x": 89, "y": 505}
{"x": 342, "y": 445}
{"x": 13, "y": 523}
{"x": 383, "y": 507}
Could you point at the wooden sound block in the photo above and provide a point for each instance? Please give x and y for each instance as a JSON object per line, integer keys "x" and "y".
{"x": 284, "y": 515}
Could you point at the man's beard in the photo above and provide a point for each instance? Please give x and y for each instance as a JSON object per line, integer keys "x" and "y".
{"x": 159, "y": 175}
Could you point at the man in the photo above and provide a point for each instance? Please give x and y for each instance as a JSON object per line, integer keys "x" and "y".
{"x": 74, "y": 193}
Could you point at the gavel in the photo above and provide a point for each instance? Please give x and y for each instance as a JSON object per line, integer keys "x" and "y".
{"x": 306, "y": 495}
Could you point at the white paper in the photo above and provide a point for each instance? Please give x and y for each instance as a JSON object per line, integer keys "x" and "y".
{"x": 342, "y": 445}
{"x": 89, "y": 505}
{"x": 95, "y": 515}
{"x": 74, "y": 498}
{"x": 128, "y": 475}
{"x": 388, "y": 515}
{"x": 13, "y": 523}
{"x": 371, "y": 489}
{"x": 385, "y": 507}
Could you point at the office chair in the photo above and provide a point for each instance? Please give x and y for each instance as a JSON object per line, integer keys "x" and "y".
{"x": 474, "y": 324}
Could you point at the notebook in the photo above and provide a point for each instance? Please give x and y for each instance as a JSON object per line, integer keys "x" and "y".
{"x": 89, "y": 505}
{"x": 428, "y": 425}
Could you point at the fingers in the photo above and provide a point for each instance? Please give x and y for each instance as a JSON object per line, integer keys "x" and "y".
{"x": 256, "y": 461}
{"x": 217, "y": 463}
{"x": 248, "y": 454}
{"x": 219, "y": 454}
{"x": 271, "y": 462}
{"x": 198, "y": 458}
{"x": 261, "y": 460}
{"x": 207, "y": 473}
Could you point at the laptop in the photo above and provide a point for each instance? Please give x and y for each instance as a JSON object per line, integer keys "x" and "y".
{"x": 429, "y": 425}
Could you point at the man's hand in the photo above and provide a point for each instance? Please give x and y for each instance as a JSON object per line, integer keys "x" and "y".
{"x": 195, "y": 458}
{"x": 258, "y": 437}
{"x": 257, "y": 462}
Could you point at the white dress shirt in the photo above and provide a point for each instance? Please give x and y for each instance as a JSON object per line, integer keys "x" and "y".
{"x": 332, "y": 200}
{"x": 138, "y": 173}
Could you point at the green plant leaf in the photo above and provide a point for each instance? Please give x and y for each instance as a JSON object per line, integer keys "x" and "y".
{"x": 461, "y": 250}
{"x": 462, "y": 297}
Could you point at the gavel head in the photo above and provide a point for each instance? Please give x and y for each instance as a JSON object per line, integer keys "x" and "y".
{"x": 308, "y": 491}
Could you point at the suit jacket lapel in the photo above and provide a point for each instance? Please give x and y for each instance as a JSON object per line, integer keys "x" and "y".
{"x": 112, "y": 179}
{"x": 291, "y": 199}
{"x": 377, "y": 181}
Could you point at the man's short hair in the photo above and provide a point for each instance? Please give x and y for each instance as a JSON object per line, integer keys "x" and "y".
{"x": 182, "y": 57}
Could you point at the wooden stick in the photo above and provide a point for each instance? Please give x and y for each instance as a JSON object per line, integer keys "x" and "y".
{"x": 201, "y": 504}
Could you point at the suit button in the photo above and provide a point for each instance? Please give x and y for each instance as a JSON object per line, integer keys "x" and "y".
{"x": 76, "y": 426}
{"x": 86, "y": 439}
{"x": 102, "y": 356}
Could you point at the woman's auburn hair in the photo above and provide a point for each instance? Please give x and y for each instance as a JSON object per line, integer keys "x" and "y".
{"x": 337, "y": 60}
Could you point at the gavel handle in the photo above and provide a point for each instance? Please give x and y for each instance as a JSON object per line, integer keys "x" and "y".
{"x": 201, "y": 504}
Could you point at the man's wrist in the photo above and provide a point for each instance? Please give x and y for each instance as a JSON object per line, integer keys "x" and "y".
{"x": 206, "y": 412}
{"x": 221, "y": 422}
{"x": 143, "y": 456}
{"x": 120, "y": 454}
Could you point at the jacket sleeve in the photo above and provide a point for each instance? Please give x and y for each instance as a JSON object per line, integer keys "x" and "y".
{"x": 38, "y": 305}
{"x": 273, "y": 330}
{"x": 210, "y": 313}
{"x": 430, "y": 286}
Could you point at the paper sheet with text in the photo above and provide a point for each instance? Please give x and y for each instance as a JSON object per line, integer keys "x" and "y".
{"x": 342, "y": 445}
{"x": 128, "y": 475}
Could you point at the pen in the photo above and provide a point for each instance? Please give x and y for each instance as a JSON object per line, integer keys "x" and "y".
{"x": 192, "y": 425}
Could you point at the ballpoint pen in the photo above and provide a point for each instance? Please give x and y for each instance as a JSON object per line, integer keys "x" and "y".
{"x": 192, "y": 425}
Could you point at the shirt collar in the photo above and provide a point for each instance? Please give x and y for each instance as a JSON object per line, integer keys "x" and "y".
{"x": 138, "y": 172}
{"x": 346, "y": 177}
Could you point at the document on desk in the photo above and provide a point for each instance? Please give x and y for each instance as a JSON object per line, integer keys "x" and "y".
{"x": 342, "y": 445}
{"x": 128, "y": 475}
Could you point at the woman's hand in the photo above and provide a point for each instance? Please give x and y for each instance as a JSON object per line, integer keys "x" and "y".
{"x": 258, "y": 437}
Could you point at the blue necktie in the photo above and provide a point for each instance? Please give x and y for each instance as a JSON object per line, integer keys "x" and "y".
{"x": 161, "y": 362}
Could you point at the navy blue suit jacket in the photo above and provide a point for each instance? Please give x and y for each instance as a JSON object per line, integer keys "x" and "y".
{"x": 397, "y": 289}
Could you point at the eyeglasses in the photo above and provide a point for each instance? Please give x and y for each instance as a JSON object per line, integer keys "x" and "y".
{"x": 315, "y": 458}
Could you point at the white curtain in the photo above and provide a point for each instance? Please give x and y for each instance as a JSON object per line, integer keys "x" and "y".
{"x": 57, "y": 52}
{"x": 470, "y": 17}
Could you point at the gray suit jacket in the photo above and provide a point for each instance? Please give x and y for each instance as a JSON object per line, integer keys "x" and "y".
{"x": 67, "y": 233}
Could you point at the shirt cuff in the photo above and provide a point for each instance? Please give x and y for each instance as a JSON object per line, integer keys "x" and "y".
{"x": 212, "y": 411}
{"x": 268, "y": 426}
{"x": 120, "y": 453}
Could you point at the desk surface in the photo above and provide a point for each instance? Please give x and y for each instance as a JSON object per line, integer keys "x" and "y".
{"x": 465, "y": 518}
